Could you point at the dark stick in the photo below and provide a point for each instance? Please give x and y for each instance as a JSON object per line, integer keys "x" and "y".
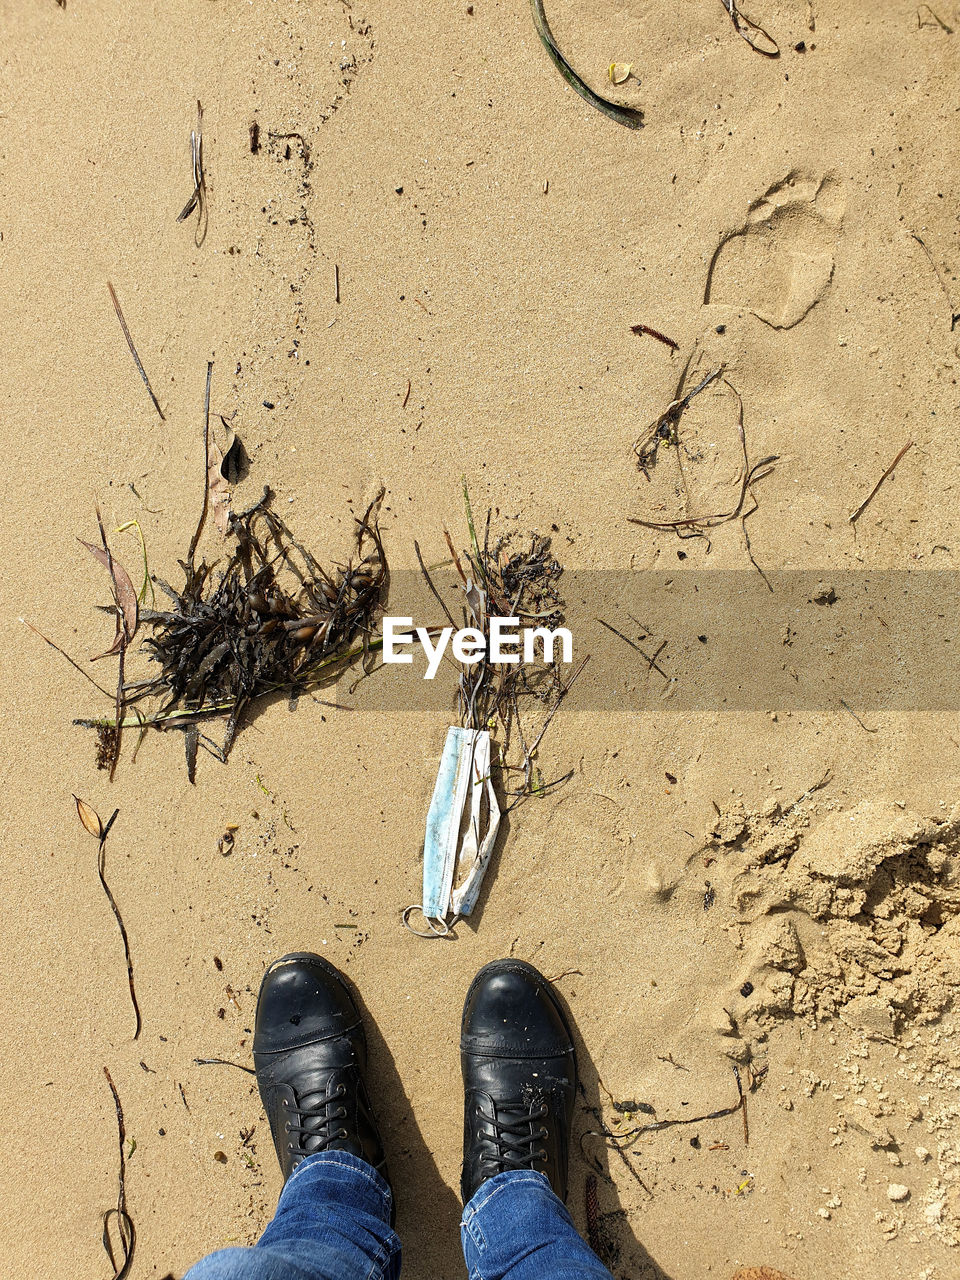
{"x": 655, "y": 333}
{"x": 651, "y": 662}
{"x": 743, "y": 1107}
{"x": 124, "y": 1221}
{"x": 133, "y": 351}
{"x": 206, "y": 466}
{"x": 593, "y": 1213}
{"x": 429, "y": 580}
{"x": 847, "y": 707}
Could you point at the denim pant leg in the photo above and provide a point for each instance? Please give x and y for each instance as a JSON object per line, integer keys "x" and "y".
{"x": 516, "y": 1227}
{"x": 332, "y": 1223}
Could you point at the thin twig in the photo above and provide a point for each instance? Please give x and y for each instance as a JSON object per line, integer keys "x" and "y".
{"x": 133, "y": 351}
{"x": 876, "y": 488}
{"x": 63, "y": 653}
{"x": 651, "y": 662}
{"x": 954, "y": 315}
{"x": 847, "y": 707}
{"x": 223, "y": 1062}
{"x": 198, "y": 196}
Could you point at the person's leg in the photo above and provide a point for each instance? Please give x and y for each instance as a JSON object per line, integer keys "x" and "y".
{"x": 333, "y": 1220}
{"x": 520, "y": 1082}
{"x": 332, "y": 1223}
{"x": 516, "y": 1226}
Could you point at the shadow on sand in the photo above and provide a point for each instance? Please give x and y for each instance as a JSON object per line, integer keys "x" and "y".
{"x": 619, "y": 1248}
{"x": 428, "y": 1211}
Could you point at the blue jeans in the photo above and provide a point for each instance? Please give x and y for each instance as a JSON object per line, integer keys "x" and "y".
{"x": 333, "y": 1223}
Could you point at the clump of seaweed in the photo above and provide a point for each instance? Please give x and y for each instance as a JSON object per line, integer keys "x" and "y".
{"x": 272, "y": 620}
{"x": 505, "y": 580}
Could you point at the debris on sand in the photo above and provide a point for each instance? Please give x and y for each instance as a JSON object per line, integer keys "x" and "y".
{"x": 273, "y": 620}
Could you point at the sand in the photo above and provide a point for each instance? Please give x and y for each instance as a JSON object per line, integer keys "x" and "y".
{"x": 494, "y": 240}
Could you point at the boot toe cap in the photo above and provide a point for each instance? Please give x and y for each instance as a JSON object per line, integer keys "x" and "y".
{"x": 302, "y": 999}
{"x": 510, "y": 1010}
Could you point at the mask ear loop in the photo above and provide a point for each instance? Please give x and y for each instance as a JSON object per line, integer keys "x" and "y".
{"x": 437, "y": 928}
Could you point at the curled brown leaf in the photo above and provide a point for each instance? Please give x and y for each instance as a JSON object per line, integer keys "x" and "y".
{"x": 125, "y": 593}
{"x": 89, "y": 818}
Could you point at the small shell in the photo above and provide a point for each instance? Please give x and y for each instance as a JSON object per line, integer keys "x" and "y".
{"x": 620, "y": 72}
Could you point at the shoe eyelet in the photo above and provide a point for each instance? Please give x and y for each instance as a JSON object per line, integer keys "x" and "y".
{"x": 343, "y": 1133}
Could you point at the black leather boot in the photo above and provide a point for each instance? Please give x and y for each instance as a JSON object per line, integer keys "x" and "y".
{"x": 310, "y": 1053}
{"x": 519, "y": 1077}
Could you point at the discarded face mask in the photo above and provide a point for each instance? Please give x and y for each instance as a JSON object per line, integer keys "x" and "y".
{"x": 462, "y": 826}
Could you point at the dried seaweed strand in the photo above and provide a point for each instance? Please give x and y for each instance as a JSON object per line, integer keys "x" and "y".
{"x": 752, "y": 32}
{"x": 611, "y": 1139}
{"x": 101, "y": 867}
{"x": 125, "y": 1228}
{"x": 133, "y": 351}
{"x": 663, "y": 429}
{"x": 936, "y": 18}
{"x": 628, "y": 116}
{"x": 657, "y": 1125}
{"x": 120, "y": 644}
{"x": 748, "y": 476}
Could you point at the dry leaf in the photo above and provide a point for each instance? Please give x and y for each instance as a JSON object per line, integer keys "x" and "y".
{"x": 125, "y": 594}
{"x": 90, "y": 818}
{"x": 758, "y": 1273}
{"x": 620, "y": 72}
{"x": 217, "y": 485}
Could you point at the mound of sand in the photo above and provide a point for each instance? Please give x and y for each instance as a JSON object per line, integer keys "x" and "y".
{"x": 857, "y": 918}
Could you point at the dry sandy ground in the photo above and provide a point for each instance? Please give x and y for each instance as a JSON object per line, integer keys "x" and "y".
{"x": 507, "y": 307}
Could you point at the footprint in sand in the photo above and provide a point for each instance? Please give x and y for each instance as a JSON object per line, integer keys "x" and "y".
{"x": 780, "y": 262}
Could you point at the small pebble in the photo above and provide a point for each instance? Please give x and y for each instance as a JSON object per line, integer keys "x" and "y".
{"x": 897, "y": 1192}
